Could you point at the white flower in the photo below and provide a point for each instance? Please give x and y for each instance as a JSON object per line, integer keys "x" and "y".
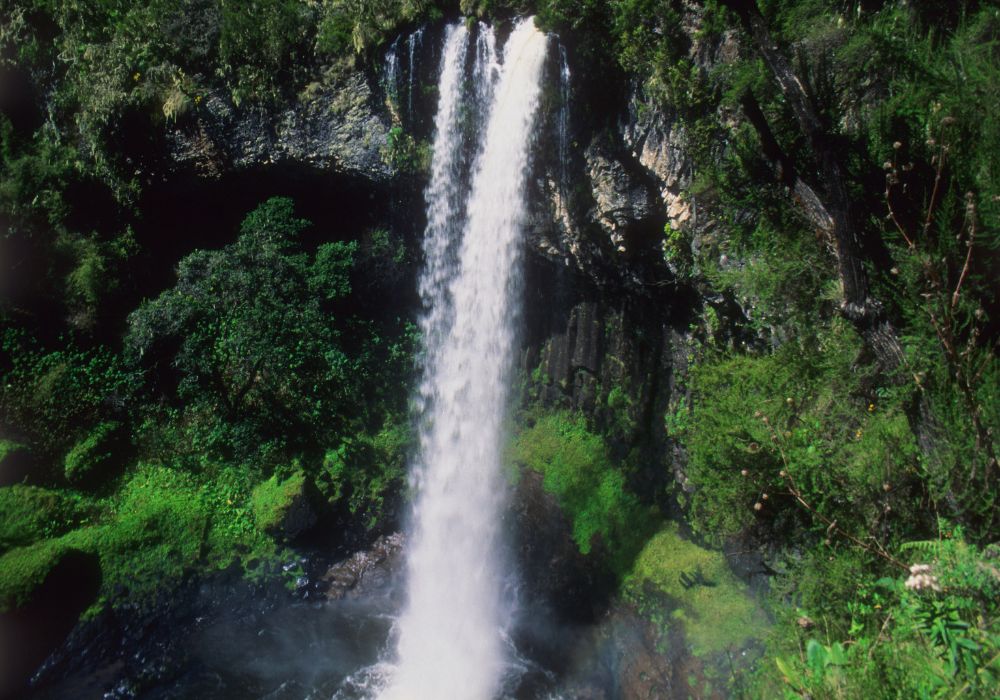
{"x": 921, "y": 579}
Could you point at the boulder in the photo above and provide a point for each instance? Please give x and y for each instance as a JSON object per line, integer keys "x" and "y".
{"x": 365, "y": 570}
{"x": 573, "y": 586}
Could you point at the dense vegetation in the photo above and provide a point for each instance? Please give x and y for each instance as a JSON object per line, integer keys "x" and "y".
{"x": 858, "y": 220}
{"x": 859, "y": 458}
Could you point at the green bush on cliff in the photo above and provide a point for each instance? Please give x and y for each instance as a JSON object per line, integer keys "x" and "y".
{"x": 802, "y": 423}
{"x": 360, "y": 26}
{"x": 931, "y": 634}
{"x": 252, "y": 337}
{"x": 363, "y": 473}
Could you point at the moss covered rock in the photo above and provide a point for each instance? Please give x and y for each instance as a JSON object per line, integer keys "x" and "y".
{"x": 31, "y": 513}
{"x": 282, "y": 507}
{"x": 93, "y": 459}
{"x": 43, "y": 590}
{"x": 714, "y": 607}
{"x": 15, "y": 462}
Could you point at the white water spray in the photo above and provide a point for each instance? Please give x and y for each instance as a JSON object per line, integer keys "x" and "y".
{"x": 451, "y": 632}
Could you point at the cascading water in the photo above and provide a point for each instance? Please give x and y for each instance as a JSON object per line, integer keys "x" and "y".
{"x": 487, "y": 68}
{"x": 413, "y": 43}
{"x": 564, "y": 98}
{"x": 391, "y": 71}
{"x": 451, "y": 632}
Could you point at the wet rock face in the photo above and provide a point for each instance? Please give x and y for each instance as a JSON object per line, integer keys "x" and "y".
{"x": 366, "y": 570}
{"x": 551, "y": 567}
{"x": 620, "y": 659}
{"x": 335, "y": 125}
{"x": 623, "y": 201}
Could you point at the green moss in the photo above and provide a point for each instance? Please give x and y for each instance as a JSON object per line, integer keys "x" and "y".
{"x": 154, "y": 536}
{"x": 715, "y": 617}
{"x": 272, "y": 499}
{"x": 24, "y": 569}
{"x": 31, "y": 513}
{"x": 163, "y": 526}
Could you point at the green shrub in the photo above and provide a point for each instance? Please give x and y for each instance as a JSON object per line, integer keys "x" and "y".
{"x": 55, "y": 395}
{"x": 798, "y": 420}
{"x": 365, "y": 474}
{"x": 937, "y": 638}
{"x": 363, "y": 25}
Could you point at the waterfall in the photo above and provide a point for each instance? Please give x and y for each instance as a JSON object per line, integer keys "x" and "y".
{"x": 413, "y": 43}
{"x": 564, "y": 97}
{"x": 487, "y": 68}
{"x": 451, "y": 632}
{"x": 391, "y": 72}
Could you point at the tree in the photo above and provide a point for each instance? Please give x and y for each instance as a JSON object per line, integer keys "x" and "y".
{"x": 248, "y": 338}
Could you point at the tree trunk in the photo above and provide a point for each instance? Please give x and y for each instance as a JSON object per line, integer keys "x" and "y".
{"x": 830, "y": 209}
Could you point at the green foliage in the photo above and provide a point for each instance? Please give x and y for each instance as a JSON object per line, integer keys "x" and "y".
{"x": 939, "y": 639}
{"x": 31, "y": 513}
{"x": 263, "y": 362}
{"x": 717, "y": 614}
{"x": 364, "y": 25}
{"x": 576, "y": 467}
{"x": 405, "y": 153}
{"x": 261, "y": 43}
{"x": 805, "y": 419}
{"x": 90, "y": 458}
{"x": 364, "y": 472}
{"x": 165, "y": 525}
{"x": 56, "y": 395}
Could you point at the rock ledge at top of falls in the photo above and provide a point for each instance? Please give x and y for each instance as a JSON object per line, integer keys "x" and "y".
{"x": 335, "y": 124}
